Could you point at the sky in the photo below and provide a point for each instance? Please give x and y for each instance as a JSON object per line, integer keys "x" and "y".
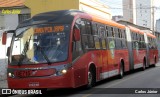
{"x": 116, "y": 7}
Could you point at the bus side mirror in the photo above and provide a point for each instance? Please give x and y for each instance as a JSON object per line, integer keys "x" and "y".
{"x": 76, "y": 34}
{"x": 4, "y": 38}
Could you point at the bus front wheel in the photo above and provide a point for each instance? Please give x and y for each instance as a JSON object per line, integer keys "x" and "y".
{"x": 91, "y": 77}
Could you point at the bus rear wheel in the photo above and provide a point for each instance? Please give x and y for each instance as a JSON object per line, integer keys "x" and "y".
{"x": 121, "y": 71}
{"x": 144, "y": 65}
{"x": 155, "y": 60}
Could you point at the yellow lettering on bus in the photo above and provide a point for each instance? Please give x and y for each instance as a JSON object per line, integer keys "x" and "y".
{"x": 58, "y": 28}
{"x": 49, "y": 29}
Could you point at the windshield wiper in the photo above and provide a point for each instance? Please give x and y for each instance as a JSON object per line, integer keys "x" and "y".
{"x": 44, "y": 55}
{"x": 25, "y": 49}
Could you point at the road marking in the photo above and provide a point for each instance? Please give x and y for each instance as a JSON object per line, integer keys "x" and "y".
{"x": 111, "y": 85}
{"x": 87, "y": 95}
{"x": 123, "y": 80}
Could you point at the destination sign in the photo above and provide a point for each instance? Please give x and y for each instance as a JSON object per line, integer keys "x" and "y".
{"x": 49, "y": 29}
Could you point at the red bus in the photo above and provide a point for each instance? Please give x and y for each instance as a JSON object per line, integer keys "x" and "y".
{"x": 70, "y": 48}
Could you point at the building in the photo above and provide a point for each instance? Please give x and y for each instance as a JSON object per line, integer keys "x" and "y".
{"x": 158, "y": 25}
{"x": 12, "y": 12}
{"x": 138, "y": 12}
{"x": 90, "y": 6}
{"x": 158, "y": 34}
{"x": 129, "y": 13}
{"x": 117, "y": 18}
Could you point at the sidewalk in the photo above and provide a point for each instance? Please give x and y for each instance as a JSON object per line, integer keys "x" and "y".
{"x": 3, "y": 69}
{"x": 3, "y": 83}
{"x": 3, "y": 72}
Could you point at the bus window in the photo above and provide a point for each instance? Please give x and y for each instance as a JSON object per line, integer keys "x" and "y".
{"x": 87, "y": 37}
{"x": 97, "y": 42}
{"x": 112, "y": 31}
{"x": 102, "y": 32}
{"x": 109, "y": 32}
{"x": 103, "y": 36}
{"x": 116, "y": 32}
{"x": 118, "y": 43}
{"x": 94, "y": 29}
{"x": 132, "y": 35}
{"x": 123, "y": 33}
{"x": 88, "y": 28}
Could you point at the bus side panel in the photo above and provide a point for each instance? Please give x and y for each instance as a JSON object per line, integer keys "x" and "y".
{"x": 153, "y": 53}
{"x": 123, "y": 55}
{"x": 81, "y": 66}
{"x": 142, "y": 54}
{"x": 105, "y": 69}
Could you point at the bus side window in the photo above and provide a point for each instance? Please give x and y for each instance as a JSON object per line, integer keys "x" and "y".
{"x": 94, "y": 29}
{"x": 116, "y": 32}
{"x": 87, "y": 38}
{"x": 112, "y": 31}
{"x": 118, "y": 39}
{"x": 109, "y": 31}
{"x": 90, "y": 35}
{"x": 103, "y": 36}
{"x": 96, "y": 35}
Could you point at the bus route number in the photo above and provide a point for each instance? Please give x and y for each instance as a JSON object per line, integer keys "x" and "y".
{"x": 49, "y": 29}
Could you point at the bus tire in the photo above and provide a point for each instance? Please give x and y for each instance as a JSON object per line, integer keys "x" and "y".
{"x": 155, "y": 60}
{"x": 121, "y": 71}
{"x": 144, "y": 65}
{"x": 91, "y": 77}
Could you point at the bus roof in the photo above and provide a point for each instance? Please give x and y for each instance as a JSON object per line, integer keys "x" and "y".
{"x": 108, "y": 22}
{"x": 61, "y": 15}
{"x": 136, "y": 30}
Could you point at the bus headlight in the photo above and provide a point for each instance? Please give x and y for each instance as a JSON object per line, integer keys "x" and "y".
{"x": 64, "y": 71}
{"x": 61, "y": 72}
{"x": 10, "y": 74}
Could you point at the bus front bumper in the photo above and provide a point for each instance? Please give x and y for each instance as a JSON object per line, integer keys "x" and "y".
{"x": 63, "y": 81}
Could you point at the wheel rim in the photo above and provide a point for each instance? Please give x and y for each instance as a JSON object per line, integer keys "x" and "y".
{"x": 89, "y": 78}
{"x": 144, "y": 66}
{"x": 121, "y": 71}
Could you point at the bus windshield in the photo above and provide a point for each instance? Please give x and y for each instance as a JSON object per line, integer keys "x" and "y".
{"x": 40, "y": 44}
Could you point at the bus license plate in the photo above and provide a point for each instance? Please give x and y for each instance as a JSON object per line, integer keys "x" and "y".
{"x": 25, "y": 73}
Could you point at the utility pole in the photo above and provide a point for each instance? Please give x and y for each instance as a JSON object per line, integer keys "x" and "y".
{"x": 153, "y": 14}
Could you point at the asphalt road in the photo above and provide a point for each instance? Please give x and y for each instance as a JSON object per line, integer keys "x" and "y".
{"x": 138, "y": 81}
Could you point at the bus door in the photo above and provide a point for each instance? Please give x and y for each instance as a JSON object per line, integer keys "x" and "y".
{"x": 97, "y": 52}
